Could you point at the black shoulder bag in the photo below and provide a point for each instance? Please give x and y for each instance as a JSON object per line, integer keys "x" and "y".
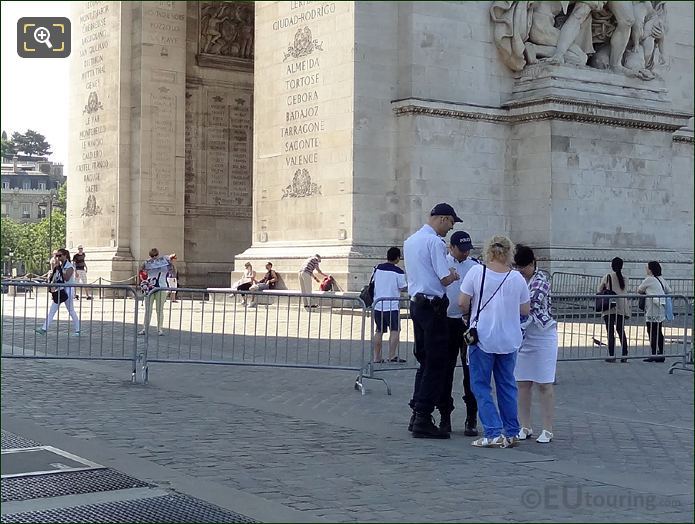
{"x": 59, "y": 295}
{"x": 367, "y": 293}
{"x": 603, "y": 298}
{"x": 471, "y": 334}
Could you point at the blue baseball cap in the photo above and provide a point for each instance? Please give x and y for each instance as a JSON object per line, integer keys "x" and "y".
{"x": 445, "y": 210}
{"x": 461, "y": 240}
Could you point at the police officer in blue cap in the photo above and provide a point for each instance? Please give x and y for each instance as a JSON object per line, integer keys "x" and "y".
{"x": 429, "y": 273}
{"x": 460, "y": 246}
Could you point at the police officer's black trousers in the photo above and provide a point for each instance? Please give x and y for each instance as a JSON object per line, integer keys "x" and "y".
{"x": 431, "y": 339}
{"x": 457, "y": 347}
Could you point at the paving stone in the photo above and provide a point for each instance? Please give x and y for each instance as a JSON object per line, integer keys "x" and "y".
{"x": 356, "y": 461}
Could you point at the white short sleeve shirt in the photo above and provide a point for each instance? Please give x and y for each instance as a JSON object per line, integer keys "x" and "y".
{"x": 389, "y": 279}
{"x": 453, "y": 290}
{"x": 425, "y": 253}
{"x": 499, "y": 325}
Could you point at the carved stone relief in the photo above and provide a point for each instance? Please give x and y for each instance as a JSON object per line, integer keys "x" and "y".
{"x": 303, "y": 44}
{"x": 301, "y": 186}
{"x": 226, "y": 34}
{"x": 596, "y": 34}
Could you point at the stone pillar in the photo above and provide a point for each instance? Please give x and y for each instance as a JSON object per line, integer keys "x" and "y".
{"x": 303, "y": 125}
{"x": 99, "y": 199}
{"x": 219, "y": 139}
{"x": 324, "y": 169}
{"x": 125, "y": 192}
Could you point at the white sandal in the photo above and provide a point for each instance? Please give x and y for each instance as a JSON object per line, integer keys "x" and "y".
{"x": 525, "y": 433}
{"x": 497, "y": 442}
{"x": 545, "y": 437}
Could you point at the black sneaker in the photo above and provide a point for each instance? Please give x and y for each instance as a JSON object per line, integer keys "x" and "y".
{"x": 471, "y": 428}
{"x": 424, "y": 427}
{"x": 611, "y": 360}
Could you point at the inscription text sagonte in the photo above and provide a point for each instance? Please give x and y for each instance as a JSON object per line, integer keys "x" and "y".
{"x": 301, "y": 92}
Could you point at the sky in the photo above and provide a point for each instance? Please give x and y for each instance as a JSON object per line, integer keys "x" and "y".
{"x": 34, "y": 90}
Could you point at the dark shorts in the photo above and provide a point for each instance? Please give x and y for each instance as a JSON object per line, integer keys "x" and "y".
{"x": 386, "y": 320}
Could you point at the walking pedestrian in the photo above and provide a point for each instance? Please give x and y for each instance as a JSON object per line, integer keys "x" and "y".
{"x": 310, "y": 267}
{"x": 655, "y": 309}
{"x": 619, "y": 311}
{"x": 156, "y": 268}
{"x": 78, "y": 260}
{"x": 537, "y": 357}
{"x": 428, "y": 274}
{"x": 460, "y": 246}
{"x": 495, "y": 296}
{"x": 389, "y": 280}
{"x": 63, "y": 272}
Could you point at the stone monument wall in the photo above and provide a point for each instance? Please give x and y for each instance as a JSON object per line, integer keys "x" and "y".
{"x": 98, "y": 211}
{"x": 158, "y": 70}
{"x": 303, "y": 147}
{"x": 219, "y": 138}
{"x": 578, "y": 162}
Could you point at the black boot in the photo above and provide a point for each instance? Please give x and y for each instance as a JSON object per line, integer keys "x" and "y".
{"x": 471, "y": 427}
{"x": 445, "y": 422}
{"x": 423, "y": 427}
{"x": 412, "y": 421}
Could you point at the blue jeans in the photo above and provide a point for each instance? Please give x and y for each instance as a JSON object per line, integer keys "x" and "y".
{"x": 483, "y": 366}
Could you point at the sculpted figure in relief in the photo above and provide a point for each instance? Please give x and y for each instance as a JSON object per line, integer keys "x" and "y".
{"x": 227, "y": 29}
{"x": 624, "y": 36}
{"x": 211, "y": 22}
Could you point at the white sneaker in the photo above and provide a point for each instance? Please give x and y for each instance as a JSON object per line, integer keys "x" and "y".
{"x": 160, "y": 333}
{"x": 545, "y": 437}
{"x": 524, "y": 433}
{"x": 141, "y": 332}
{"x": 497, "y": 442}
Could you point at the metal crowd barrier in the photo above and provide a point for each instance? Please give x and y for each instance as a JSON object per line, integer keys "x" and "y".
{"x": 271, "y": 328}
{"x": 576, "y": 283}
{"x": 107, "y": 324}
{"x": 582, "y": 332}
{"x": 284, "y": 329}
{"x": 406, "y": 344}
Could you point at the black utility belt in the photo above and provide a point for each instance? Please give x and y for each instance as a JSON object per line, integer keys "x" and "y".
{"x": 420, "y": 298}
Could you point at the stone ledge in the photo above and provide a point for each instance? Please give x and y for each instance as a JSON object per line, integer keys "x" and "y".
{"x": 551, "y": 108}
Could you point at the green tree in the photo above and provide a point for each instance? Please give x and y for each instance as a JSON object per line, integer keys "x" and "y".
{"x": 8, "y": 148}
{"x": 29, "y": 243}
{"x": 31, "y": 143}
{"x": 62, "y": 200}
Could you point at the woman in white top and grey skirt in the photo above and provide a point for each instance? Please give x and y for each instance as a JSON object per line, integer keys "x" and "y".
{"x": 537, "y": 358}
{"x": 655, "y": 309}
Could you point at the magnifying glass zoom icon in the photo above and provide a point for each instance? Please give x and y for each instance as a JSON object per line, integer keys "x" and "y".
{"x": 43, "y": 36}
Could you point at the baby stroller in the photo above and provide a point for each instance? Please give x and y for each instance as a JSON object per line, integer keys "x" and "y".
{"x": 328, "y": 284}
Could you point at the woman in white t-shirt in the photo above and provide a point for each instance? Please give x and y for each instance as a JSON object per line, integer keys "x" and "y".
{"x": 495, "y": 296}
{"x": 63, "y": 272}
{"x": 655, "y": 309}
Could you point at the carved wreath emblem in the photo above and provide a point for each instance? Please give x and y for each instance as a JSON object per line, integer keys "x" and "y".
{"x": 301, "y": 186}
{"x": 93, "y": 104}
{"x": 91, "y": 208}
{"x": 303, "y": 44}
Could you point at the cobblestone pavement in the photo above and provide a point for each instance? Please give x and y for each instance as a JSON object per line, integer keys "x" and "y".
{"x": 304, "y": 438}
